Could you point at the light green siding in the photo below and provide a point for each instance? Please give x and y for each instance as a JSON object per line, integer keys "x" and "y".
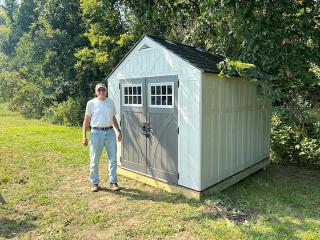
{"x": 235, "y": 131}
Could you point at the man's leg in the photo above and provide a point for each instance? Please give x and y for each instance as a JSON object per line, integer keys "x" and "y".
{"x": 111, "y": 147}
{"x": 96, "y": 146}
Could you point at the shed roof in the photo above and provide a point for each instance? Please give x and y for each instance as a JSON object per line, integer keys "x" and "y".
{"x": 199, "y": 58}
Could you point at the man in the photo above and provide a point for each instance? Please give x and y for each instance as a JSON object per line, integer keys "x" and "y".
{"x": 100, "y": 113}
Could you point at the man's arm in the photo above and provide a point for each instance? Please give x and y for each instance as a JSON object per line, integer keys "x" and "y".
{"x": 115, "y": 124}
{"x": 85, "y": 127}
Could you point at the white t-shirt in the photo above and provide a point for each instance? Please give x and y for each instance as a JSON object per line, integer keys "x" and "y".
{"x": 101, "y": 112}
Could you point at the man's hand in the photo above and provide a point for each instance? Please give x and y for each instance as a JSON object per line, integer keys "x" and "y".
{"x": 85, "y": 141}
{"x": 85, "y": 126}
{"x": 119, "y": 136}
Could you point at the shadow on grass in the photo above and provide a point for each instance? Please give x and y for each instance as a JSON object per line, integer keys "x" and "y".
{"x": 2, "y": 201}
{"x": 279, "y": 193}
{"x": 138, "y": 194}
{"x": 11, "y": 228}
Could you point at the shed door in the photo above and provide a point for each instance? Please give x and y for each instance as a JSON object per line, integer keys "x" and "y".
{"x": 162, "y": 115}
{"x": 150, "y": 127}
{"x": 133, "y": 116}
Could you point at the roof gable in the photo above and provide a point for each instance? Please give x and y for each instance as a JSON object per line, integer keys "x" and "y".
{"x": 191, "y": 56}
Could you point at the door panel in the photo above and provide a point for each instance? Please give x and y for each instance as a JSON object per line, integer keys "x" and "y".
{"x": 162, "y": 144}
{"x": 132, "y": 118}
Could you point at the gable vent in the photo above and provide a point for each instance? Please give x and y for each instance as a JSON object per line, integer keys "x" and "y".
{"x": 145, "y": 46}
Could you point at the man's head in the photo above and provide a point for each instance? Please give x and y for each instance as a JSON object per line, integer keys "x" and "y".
{"x": 101, "y": 91}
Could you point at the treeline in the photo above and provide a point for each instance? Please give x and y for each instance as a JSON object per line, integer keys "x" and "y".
{"x": 53, "y": 52}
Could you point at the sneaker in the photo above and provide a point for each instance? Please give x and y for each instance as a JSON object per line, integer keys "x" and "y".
{"x": 94, "y": 188}
{"x": 114, "y": 187}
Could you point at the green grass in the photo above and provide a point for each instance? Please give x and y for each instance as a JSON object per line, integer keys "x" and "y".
{"x": 45, "y": 195}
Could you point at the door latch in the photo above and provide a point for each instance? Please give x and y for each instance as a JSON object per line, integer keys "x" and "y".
{"x": 146, "y": 129}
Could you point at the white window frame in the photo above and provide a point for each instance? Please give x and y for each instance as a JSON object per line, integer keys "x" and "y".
{"x": 123, "y": 94}
{"x": 161, "y": 84}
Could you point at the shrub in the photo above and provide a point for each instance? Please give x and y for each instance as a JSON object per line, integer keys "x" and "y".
{"x": 28, "y": 99}
{"x": 294, "y": 143}
{"x": 69, "y": 112}
{"x": 8, "y": 85}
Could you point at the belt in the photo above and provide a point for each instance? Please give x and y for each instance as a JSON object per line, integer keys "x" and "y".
{"x": 102, "y": 128}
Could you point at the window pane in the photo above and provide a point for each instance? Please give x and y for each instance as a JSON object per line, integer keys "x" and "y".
{"x": 139, "y": 90}
{"x": 130, "y": 90}
{"x": 169, "y": 100}
{"x": 153, "y": 100}
{"x": 164, "y": 100}
{"x": 153, "y": 90}
{"x": 158, "y": 100}
{"x": 126, "y": 90}
{"x": 158, "y": 90}
{"x": 135, "y": 100}
{"x": 164, "y": 90}
{"x": 134, "y": 90}
{"x": 130, "y": 99}
{"x": 139, "y": 99}
{"x": 126, "y": 100}
{"x": 169, "y": 89}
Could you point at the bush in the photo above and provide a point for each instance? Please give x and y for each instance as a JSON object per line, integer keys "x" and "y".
{"x": 294, "y": 143}
{"x": 69, "y": 112}
{"x": 8, "y": 85}
{"x": 28, "y": 100}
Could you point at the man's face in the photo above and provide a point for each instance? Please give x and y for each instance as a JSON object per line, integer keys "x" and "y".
{"x": 101, "y": 93}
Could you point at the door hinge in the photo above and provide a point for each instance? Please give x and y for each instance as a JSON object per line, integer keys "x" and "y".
{"x": 119, "y": 86}
{"x": 178, "y": 83}
{"x": 178, "y": 130}
{"x": 178, "y": 176}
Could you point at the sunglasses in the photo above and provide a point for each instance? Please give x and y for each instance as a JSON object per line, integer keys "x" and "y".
{"x": 101, "y": 90}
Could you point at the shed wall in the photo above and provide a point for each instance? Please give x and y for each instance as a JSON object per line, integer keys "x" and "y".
{"x": 235, "y": 127}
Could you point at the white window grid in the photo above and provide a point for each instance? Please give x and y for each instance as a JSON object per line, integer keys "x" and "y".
{"x": 131, "y": 95}
{"x": 160, "y": 94}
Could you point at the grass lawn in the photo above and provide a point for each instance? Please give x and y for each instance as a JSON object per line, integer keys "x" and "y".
{"x": 44, "y": 194}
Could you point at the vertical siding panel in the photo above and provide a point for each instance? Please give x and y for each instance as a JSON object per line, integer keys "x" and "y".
{"x": 222, "y": 132}
{"x": 234, "y": 160}
{"x": 236, "y": 126}
{"x": 251, "y": 126}
{"x": 245, "y": 127}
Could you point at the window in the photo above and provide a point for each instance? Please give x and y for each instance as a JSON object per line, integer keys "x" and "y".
{"x": 161, "y": 95}
{"x": 132, "y": 95}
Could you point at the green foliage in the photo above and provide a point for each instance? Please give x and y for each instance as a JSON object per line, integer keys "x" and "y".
{"x": 8, "y": 85}
{"x": 232, "y": 67}
{"x": 292, "y": 143}
{"x": 106, "y": 44}
{"x": 69, "y": 112}
{"x": 29, "y": 100}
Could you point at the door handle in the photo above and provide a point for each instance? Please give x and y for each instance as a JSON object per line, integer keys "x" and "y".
{"x": 146, "y": 129}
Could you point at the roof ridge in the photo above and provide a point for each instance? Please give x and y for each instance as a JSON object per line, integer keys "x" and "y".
{"x": 164, "y": 39}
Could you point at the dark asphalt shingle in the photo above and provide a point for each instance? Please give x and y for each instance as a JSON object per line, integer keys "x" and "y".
{"x": 203, "y": 60}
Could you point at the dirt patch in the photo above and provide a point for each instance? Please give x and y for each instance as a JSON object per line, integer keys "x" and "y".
{"x": 225, "y": 211}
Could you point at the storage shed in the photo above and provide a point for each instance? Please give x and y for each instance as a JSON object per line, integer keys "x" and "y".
{"x": 182, "y": 124}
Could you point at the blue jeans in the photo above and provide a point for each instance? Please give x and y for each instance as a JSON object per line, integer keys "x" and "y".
{"x": 98, "y": 140}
